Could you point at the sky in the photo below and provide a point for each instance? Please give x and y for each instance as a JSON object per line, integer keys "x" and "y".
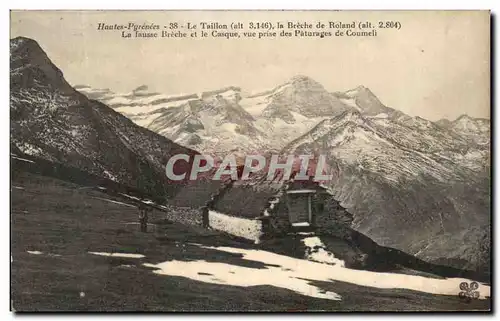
{"x": 435, "y": 66}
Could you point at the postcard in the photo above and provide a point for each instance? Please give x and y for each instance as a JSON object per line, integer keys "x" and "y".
{"x": 290, "y": 161}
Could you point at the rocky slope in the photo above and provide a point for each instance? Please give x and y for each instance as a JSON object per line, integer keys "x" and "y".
{"x": 410, "y": 183}
{"x": 476, "y": 130}
{"x": 53, "y": 121}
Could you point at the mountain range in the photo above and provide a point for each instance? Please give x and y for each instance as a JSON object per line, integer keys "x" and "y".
{"x": 419, "y": 186}
{"x": 411, "y": 183}
{"x": 228, "y": 120}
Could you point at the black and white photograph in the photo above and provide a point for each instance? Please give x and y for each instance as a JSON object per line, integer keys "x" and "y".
{"x": 250, "y": 161}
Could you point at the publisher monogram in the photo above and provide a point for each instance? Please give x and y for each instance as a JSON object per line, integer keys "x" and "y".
{"x": 468, "y": 291}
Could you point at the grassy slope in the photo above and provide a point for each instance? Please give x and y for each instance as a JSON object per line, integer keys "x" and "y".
{"x": 60, "y": 218}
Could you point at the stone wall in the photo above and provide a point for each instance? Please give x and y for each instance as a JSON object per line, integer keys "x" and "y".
{"x": 249, "y": 229}
{"x": 331, "y": 218}
{"x": 183, "y": 215}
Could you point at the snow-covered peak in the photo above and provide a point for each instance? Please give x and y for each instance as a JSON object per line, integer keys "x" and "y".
{"x": 225, "y": 92}
{"x": 465, "y": 122}
{"x": 364, "y": 100}
{"x": 443, "y": 122}
{"x": 463, "y": 117}
{"x": 302, "y": 95}
{"x": 353, "y": 93}
{"x": 474, "y": 129}
{"x": 23, "y": 42}
{"x": 304, "y": 83}
{"x": 302, "y": 79}
{"x": 142, "y": 88}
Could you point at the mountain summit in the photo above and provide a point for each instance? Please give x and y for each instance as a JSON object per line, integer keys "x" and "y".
{"x": 305, "y": 96}
{"x": 52, "y": 121}
{"x": 29, "y": 66}
{"x": 475, "y": 130}
{"x": 364, "y": 100}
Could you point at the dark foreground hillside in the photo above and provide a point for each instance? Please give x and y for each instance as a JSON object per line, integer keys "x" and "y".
{"x": 59, "y": 223}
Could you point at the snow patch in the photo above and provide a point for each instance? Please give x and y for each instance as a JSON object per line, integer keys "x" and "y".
{"x": 381, "y": 115}
{"x": 230, "y": 94}
{"x": 134, "y": 110}
{"x": 55, "y": 255}
{"x": 129, "y": 255}
{"x": 316, "y": 251}
{"x": 254, "y": 106}
{"x": 113, "y": 201}
{"x": 40, "y": 253}
{"x": 23, "y": 159}
{"x": 110, "y": 176}
{"x": 35, "y": 252}
{"x": 222, "y": 273}
{"x": 350, "y": 102}
{"x": 230, "y": 127}
{"x": 30, "y": 149}
{"x": 129, "y": 196}
{"x": 127, "y": 265}
{"x": 295, "y": 274}
{"x": 145, "y": 121}
{"x": 300, "y": 224}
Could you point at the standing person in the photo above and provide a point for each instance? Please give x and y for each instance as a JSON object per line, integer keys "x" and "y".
{"x": 143, "y": 218}
{"x": 204, "y": 213}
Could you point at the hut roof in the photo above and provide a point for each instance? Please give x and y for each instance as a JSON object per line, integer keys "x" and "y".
{"x": 247, "y": 198}
{"x": 251, "y": 198}
{"x": 244, "y": 199}
{"x": 196, "y": 193}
